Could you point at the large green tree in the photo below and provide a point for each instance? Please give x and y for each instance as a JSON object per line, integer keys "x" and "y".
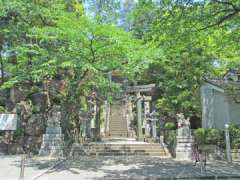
{"x": 197, "y": 38}
{"x": 65, "y": 42}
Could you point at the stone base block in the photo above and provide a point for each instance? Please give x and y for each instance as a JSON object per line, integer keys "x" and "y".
{"x": 51, "y": 153}
{"x": 184, "y": 155}
{"x": 184, "y": 148}
{"x": 52, "y": 145}
{"x": 53, "y": 130}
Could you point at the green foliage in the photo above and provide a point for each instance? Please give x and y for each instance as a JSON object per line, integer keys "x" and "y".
{"x": 213, "y": 136}
{"x": 35, "y": 89}
{"x": 170, "y": 125}
{"x": 18, "y": 133}
{"x": 192, "y": 48}
{"x": 2, "y": 109}
{"x": 204, "y": 136}
{"x": 171, "y": 140}
{"x": 200, "y": 136}
{"x": 177, "y": 45}
{"x": 234, "y": 136}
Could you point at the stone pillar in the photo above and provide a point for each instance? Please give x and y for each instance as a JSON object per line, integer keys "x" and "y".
{"x": 88, "y": 127}
{"x": 145, "y": 121}
{"x": 84, "y": 128}
{"x": 228, "y": 144}
{"x": 139, "y": 117}
{"x": 154, "y": 128}
{"x": 97, "y": 120}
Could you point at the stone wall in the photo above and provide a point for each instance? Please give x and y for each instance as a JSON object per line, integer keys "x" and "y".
{"x": 32, "y": 104}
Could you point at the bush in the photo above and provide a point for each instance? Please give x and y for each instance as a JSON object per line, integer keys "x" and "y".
{"x": 170, "y": 140}
{"x": 208, "y": 136}
{"x": 234, "y": 136}
{"x": 200, "y": 135}
{"x": 170, "y": 126}
{"x": 213, "y": 136}
{"x": 2, "y": 109}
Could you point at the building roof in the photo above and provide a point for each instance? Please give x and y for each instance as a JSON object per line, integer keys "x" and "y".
{"x": 230, "y": 79}
{"x": 223, "y": 83}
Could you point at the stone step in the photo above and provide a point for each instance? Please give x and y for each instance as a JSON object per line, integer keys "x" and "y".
{"x": 117, "y": 122}
{"x": 122, "y": 145}
{"x": 118, "y": 134}
{"x": 118, "y": 130}
{"x": 121, "y": 125}
{"x": 119, "y": 154}
{"x": 122, "y": 150}
{"x": 118, "y": 126}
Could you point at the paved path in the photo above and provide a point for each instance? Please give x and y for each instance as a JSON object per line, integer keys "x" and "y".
{"x": 136, "y": 168}
{"x": 10, "y": 167}
{"x": 112, "y": 168}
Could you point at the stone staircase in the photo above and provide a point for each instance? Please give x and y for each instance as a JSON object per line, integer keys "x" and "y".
{"x": 118, "y": 124}
{"x": 119, "y": 148}
{"x": 118, "y": 143}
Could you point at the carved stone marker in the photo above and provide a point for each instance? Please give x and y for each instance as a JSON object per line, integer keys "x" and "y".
{"x": 52, "y": 144}
{"x": 184, "y": 139}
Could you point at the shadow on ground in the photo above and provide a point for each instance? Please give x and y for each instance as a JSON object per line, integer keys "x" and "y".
{"x": 139, "y": 168}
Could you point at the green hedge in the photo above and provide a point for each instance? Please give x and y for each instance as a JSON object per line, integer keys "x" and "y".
{"x": 234, "y": 136}
{"x": 208, "y": 136}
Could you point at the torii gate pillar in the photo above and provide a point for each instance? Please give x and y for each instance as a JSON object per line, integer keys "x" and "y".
{"x": 139, "y": 117}
{"x": 137, "y": 89}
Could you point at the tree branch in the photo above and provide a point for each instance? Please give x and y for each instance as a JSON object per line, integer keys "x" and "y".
{"x": 221, "y": 20}
{"x": 226, "y": 3}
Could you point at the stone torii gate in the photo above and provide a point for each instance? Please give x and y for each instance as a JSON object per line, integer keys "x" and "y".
{"x": 138, "y": 89}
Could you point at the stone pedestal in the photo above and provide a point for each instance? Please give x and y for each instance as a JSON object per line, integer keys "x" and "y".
{"x": 184, "y": 148}
{"x": 184, "y": 139}
{"x": 52, "y": 143}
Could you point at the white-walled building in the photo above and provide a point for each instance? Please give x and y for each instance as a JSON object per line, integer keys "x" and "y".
{"x": 221, "y": 101}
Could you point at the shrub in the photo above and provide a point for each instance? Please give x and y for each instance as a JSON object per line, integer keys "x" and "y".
{"x": 170, "y": 140}
{"x": 200, "y": 135}
{"x": 234, "y": 136}
{"x": 170, "y": 126}
{"x": 208, "y": 136}
{"x": 2, "y": 109}
{"x": 213, "y": 136}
